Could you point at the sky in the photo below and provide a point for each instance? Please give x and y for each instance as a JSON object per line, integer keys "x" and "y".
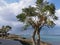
{"x": 9, "y": 9}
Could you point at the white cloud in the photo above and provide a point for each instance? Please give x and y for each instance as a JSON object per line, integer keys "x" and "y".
{"x": 3, "y": 3}
{"x": 58, "y": 15}
{"x": 8, "y": 12}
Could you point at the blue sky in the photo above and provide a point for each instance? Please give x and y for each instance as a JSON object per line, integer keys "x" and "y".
{"x": 11, "y": 1}
{"x": 9, "y": 9}
{"x": 56, "y": 2}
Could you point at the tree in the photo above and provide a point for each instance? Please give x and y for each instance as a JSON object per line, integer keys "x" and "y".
{"x": 43, "y": 14}
{"x": 4, "y": 30}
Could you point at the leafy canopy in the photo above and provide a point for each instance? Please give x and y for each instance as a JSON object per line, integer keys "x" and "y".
{"x": 5, "y": 29}
{"x": 43, "y": 14}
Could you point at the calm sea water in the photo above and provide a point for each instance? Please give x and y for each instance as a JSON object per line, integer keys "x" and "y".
{"x": 50, "y": 38}
{"x": 54, "y": 40}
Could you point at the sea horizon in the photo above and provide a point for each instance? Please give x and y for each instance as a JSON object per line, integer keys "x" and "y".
{"x": 53, "y": 39}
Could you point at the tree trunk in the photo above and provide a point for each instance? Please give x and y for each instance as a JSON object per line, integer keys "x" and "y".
{"x": 37, "y": 30}
{"x": 38, "y": 40}
{"x": 33, "y": 37}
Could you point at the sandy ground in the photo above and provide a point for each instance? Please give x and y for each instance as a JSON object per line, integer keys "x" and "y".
{"x": 44, "y": 43}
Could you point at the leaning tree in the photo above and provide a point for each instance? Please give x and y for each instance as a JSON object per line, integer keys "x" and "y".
{"x": 42, "y": 14}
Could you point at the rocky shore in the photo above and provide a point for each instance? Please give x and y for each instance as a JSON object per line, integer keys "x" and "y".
{"x": 23, "y": 40}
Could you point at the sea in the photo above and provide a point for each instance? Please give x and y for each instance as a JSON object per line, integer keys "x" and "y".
{"x": 53, "y": 39}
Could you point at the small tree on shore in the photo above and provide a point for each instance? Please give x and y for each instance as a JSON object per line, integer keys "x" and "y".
{"x": 43, "y": 14}
{"x": 4, "y": 30}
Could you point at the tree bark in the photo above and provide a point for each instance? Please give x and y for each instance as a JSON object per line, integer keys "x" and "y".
{"x": 33, "y": 37}
{"x": 38, "y": 35}
{"x": 38, "y": 40}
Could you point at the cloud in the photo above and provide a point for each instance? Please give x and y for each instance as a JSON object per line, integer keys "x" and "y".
{"x": 3, "y": 3}
{"x": 58, "y": 15}
{"x": 9, "y": 11}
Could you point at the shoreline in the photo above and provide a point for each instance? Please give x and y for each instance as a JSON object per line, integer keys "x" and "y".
{"x": 44, "y": 43}
{"x": 23, "y": 40}
{"x": 29, "y": 42}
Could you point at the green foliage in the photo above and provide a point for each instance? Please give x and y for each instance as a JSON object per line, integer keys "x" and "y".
{"x": 50, "y": 8}
{"x": 5, "y": 29}
{"x": 21, "y": 17}
{"x": 50, "y": 23}
{"x": 55, "y": 18}
{"x": 8, "y": 27}
{"x": 29, "y": 11}
{"x": 39, "y": 1}
{"x": 40, "y": 11}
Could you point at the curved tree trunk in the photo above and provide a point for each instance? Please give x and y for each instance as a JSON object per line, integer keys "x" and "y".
{"x": 38, "y": 40}
{"x": 37, "y": 30}
{"x": 33, "y": 37}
